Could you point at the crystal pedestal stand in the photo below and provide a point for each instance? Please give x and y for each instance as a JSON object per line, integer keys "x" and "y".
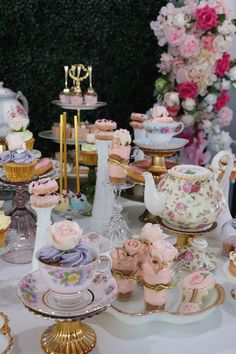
{"x": 117, "y": 230}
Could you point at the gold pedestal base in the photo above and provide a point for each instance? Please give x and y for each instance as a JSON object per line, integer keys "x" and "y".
{"x": 70, "y": 337}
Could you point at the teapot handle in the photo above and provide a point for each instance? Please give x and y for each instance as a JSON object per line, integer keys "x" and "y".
{"x": 20, "y": 96}
{"x": 216, "y": 166}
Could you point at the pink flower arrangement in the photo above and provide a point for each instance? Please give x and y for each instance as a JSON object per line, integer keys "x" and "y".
{"x": 196, "y": 71}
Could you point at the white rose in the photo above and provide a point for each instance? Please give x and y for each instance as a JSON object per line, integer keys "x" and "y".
{"x": 225, "y": 84}
{"x": 171, "y": 98}
{"x": 222, "y": 44}
{"x": 211, "y": 99}
{"x": 206, "y": 124}
{"x": 18, "y": 123}
{"x": 178, "y": 20}
{"x": 217, "y": 85}
{"x": 189, "y": 104}
{"x": 188, "y": 120}
{"x": 209, "y": 108}
{"x": 65, "y": 234}
{"x": 226, "y": 28}
{"x": 232, "y": 73}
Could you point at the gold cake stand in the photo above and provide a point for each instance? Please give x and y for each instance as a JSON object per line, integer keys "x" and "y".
{"x": 69, "y": 336}
{"x": 183, "y": 236}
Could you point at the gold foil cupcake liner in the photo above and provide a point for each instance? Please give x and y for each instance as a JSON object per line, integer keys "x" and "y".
{"x": 19, "y": 173}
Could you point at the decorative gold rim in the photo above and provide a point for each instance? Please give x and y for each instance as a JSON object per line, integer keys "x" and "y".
{"x": 10, "y": 343}
{"x": 219, "y": 301}
{"x": 5, "y": 327}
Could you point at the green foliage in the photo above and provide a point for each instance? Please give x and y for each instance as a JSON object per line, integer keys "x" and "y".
{"x": 38, "y": 37}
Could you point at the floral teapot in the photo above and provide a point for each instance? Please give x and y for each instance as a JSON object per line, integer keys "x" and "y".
{"x": 13, "y": 114}
{"x": 188, "y": 197}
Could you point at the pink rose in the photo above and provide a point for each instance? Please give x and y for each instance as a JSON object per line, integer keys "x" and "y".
{"x": 190, "y": 47}
{"x": 223, "y": 65}
{"x": 180, "y": 206}
{"x": 208, "y": 42}
{"x": 225, "y": 116}
{"x": 133, "y": 247}
{"x": 206, "y": 18}
{"x": 186, "y": 187}
{"x": 187, "y": 90}
{"x": 187, "y": 256}
{"x": 195, "y": 188}
{"x": 65, "y": 234}
{"x": 173, "y": 110}
{"x": 197, "y": 278}
{"x": 171, "y": 214}
{"x": 222, "y": 100}
{"x": 175, "y": 35}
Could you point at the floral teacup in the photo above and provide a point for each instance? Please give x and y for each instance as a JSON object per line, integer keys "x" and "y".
{"x": 67, "y": 283}
{"x": 162, "y": 132}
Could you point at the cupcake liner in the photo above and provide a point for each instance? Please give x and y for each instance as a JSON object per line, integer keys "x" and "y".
{"x": 3, "y": 235}
{"x": 30, "y": 144}
{"x": 18, "y": 172}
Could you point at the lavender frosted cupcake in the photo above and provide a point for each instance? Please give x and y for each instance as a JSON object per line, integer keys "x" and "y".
{"x": 18, "y": 165}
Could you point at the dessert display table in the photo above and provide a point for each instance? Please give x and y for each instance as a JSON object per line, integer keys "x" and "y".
{"x": 215, "y": 334}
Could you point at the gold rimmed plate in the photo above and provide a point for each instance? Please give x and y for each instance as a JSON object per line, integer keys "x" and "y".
{"x": 133, "y": 311}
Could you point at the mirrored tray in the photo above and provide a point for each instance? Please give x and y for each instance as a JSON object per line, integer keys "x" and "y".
{"x": 82, "y": 107}
{"x": 133, "y": 311}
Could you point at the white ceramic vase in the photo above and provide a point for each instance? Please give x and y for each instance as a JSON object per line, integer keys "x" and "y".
{"x": 104, "y": 197}
{"x": 42, "y": 234}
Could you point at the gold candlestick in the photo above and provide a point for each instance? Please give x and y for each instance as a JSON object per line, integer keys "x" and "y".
{"x": 77, "y": 153}
{"x": 65, "y": 150}
{"x": 61, "y": 152}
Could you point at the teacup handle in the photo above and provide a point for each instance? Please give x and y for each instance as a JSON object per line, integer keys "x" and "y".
{"x": 180, "y": 128}
{"x": 104, "y": 269}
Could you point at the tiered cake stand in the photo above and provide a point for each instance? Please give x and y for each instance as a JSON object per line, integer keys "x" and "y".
{"x": 47, "y": 134}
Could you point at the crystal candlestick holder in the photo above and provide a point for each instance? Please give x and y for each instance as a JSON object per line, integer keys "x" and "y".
{"x": 117, "y": 230}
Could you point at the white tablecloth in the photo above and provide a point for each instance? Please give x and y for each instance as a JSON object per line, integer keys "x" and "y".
{"x": 215, "y": 335}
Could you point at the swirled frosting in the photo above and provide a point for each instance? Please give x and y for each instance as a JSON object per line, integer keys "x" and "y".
{"x": 79, "y": 255}
{"x": 19, "y": 156}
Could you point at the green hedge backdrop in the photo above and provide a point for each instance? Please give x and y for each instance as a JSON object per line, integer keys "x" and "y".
{"x": 38, "y": 37}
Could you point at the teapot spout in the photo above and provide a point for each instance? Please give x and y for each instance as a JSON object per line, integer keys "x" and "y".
{"x": 154, "y": 201}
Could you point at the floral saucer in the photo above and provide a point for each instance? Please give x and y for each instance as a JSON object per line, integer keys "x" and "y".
{"x": 36, "y": 296}
{"x": 193, "y": 259}
{"x": 173, "y": 144}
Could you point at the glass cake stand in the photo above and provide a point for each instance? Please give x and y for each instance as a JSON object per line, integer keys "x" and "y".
{"x": 117, "y": 230}
{"x": 23, "y": 222}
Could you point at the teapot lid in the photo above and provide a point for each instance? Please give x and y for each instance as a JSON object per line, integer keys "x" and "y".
{"x": 189, "y": 172}
{"x": 5, "y": 92}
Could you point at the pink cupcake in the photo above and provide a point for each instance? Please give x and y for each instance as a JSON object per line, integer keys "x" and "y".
{"x": 120, "y": 151}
